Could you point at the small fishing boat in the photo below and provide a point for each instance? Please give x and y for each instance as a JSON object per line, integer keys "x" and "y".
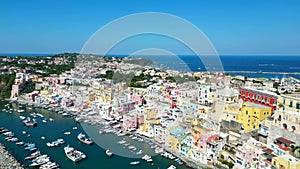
{"x": 20, "y": 143}
{"x": 40, "y": 115}
{"x": 135, "y": 163}
{"x": 139, "y": 152}
{"x": 22, "y": 117}
{"x": 131, "y": 148}
{"x": 149, "y": 160}
{"x": 73, "y": 154}
{"x": 33, "y": 155}
{"x": 67, "y": 133}
{"x": 81, "y": 137}
{"x": 108, "y": 153}
{"x": 171, "y": 167}
{"x": 121, "y": 142}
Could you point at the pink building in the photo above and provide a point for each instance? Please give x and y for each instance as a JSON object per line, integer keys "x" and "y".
{"x": 136, "y": 98}
{"x": 127, "y": 106}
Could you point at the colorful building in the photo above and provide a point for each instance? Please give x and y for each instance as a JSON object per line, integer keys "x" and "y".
{"x": 259, "y": 97}
{"x": 286, "y": 162}
{"x": 251, "y": 114}
{"x": 290, "y": 102}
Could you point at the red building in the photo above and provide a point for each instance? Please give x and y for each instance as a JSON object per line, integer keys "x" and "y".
{"x": 259, "y": 97}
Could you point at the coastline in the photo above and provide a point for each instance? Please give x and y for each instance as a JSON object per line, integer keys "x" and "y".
{"x": 188, "y": 163}
{"x": 8, "y": 161}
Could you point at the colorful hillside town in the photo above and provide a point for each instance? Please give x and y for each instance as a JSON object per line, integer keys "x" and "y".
{"x": 212, "y": 120}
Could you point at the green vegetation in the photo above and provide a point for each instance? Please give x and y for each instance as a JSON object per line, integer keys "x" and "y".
{"x": 6, "y": 82}
{"x": 240, "y": 79}
{"x": 222, "y": 156}
{"x": 47, "y": 65}
{"x": 276, "y": 85}
{"x": 229, "y": 164}
{"x": 256, "y": 81}
{"x": 230, "y": 150}
{"x": 108, "y": 75}
{"x": 29, "y": 87}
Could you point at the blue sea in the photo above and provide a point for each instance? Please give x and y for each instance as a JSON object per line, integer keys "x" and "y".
{"x": 271, "y": 66}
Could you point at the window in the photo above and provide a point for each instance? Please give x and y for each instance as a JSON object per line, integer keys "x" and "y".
{"x": 293, "y": 128}
{"x": 246, "y": 112}
{"x": 291, "y": 103}
{"x": 298, "y": 106}
{"x": 284, "y": 126}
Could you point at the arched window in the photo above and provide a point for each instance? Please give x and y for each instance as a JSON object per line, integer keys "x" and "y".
{"x": 293, "y": 128}
{"x": 284, "y": 126}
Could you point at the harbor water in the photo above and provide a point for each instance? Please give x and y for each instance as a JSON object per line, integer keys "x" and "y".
{"x": 96, "y": 156}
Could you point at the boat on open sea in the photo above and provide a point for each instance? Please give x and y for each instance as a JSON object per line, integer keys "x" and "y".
{"x": 108, "y": 153}
{"x": 81, "y": 137}
{"x": 73, "y": 154}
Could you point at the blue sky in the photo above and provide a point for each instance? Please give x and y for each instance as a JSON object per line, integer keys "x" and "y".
{"x": 256, "y": 27}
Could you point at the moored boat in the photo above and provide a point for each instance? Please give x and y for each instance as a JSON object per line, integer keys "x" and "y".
{"x": 108, "y": 153}
{"x": 81, "y": 137}
{"x": 135, "y": 163}
{"x": 171, "y": 167}
{"x": 73, "y": 154}
{"x": 33, "y": 155}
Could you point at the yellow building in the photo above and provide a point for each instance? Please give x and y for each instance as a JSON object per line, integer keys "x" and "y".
{"x": 286, "y": 162}
{"x": 45, "y": 92}
{"x": 251, "y": 114}
{"x": 174, "y": 142}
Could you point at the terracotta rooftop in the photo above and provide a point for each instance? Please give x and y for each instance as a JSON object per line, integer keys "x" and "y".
{"x": 285, "y": 141}
{"x": 268, "y": 150}
{"x": 284, "y": 147}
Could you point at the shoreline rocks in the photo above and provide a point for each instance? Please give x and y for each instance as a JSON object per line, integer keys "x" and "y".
{"x": 7, "y": 161}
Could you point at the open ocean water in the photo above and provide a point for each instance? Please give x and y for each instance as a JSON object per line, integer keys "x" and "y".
{"x": 234, "y": 65}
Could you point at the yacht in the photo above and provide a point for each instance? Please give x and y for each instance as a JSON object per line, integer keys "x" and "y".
{"x": 73, "y": 154}
{"x": 81, "y": 137}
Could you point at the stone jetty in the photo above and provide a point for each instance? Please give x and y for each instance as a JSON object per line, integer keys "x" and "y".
{"x": 7, "y": 161}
